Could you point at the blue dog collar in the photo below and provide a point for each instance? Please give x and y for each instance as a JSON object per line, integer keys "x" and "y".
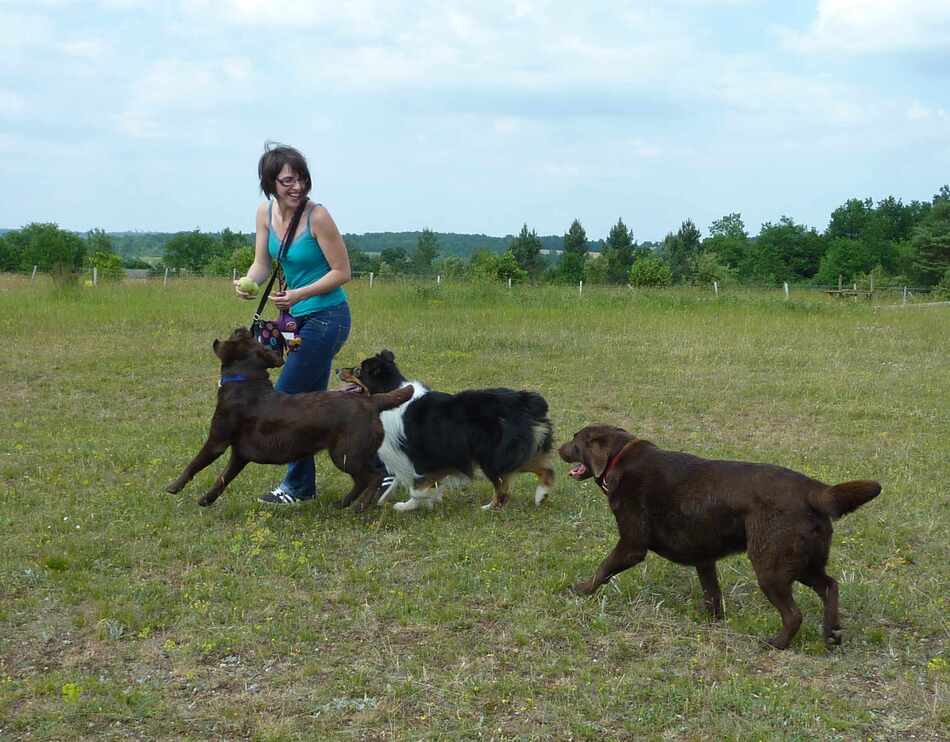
{"x": 227, "y": 378}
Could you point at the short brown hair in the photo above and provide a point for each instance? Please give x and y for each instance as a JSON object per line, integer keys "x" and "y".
{"x": 272, "y": 162}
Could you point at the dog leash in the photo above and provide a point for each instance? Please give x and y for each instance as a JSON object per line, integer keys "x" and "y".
{"x": 281, "y": 254}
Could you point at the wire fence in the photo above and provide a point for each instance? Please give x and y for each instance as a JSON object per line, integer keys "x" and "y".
{"x": 888, "y": 294}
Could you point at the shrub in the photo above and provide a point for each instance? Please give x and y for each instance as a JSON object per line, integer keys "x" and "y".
{"x": 650, "y": 271}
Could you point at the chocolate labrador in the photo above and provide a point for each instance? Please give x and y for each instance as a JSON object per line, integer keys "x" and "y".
{"x": 265, "y": 426}
{"x": 694, "y": 511}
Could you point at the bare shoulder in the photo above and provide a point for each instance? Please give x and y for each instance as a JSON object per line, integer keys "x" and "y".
{"x": 261, "y": 215}
{"x": 321, "y": 220}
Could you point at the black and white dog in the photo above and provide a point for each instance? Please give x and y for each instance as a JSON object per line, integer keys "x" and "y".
{"x": 435, "y": 436}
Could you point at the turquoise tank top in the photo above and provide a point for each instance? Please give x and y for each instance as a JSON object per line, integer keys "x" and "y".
{"x": 303, "y": 264}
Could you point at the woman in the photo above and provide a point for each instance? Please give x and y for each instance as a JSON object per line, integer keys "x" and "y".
{"x": 315, "y": 267}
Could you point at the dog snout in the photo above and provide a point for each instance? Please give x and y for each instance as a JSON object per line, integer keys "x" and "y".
{"x": 568, "y": 451}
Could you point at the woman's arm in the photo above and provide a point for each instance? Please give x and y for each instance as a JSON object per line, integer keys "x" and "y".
{"x": 260, "y": 268}
{"x": 324, "y": 229}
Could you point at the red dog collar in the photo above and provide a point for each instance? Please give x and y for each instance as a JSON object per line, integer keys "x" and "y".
{"x": 602, "y": 482}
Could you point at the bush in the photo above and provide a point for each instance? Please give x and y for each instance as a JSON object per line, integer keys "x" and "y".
{"x": 942, "y": 289}
{"x": 650, "y": 271}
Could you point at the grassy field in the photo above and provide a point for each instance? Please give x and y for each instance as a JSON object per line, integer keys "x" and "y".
{"x": 129, "y": 613}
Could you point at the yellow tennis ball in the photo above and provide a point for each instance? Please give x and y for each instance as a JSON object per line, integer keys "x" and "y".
{"x": 248, "y": 285}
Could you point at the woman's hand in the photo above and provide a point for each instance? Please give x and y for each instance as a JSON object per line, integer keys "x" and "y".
{"x": 284, "y": 300}
{"x": 243, "y": 294}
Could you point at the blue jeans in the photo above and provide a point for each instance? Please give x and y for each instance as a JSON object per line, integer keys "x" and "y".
{"x": 307, "y": 369}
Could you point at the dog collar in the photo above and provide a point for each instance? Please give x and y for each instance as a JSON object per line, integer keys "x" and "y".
{"x": 602, "y": 482}
{"x": 228, "y": 378}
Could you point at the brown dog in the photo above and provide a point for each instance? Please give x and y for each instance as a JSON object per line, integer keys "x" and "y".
{"x": 694, "y": 511}
{"x": 269, "y": 427}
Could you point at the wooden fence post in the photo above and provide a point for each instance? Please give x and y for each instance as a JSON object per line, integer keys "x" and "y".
{"x": 786, "y": 290}
{"x": 716, "y": 288}
{"x": 34, "y": 274}
{"x": 165, "y": 281}
{"x": 580, "y": 288}
{"x": 371, "y": 279}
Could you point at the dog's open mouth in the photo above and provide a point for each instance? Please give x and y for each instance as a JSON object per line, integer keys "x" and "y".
{"x": 353, "y": 384}
{"x": 579, "y": 471}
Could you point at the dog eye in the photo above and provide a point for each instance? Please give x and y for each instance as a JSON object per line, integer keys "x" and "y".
{"x": 356, "y": 372}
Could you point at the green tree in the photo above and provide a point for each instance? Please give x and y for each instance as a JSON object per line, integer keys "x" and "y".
{"x": 728, "y": 239}
{"x": 845, "y": 257}
{"x": 101, "y": 256}
{"x": 190, "y": 250}
{"x": 708, "y": 268}
{"x": 784, "y": 252}
{"x": 48, "y": 247}
{"x": 394, "y": 260}
{"x": 679, "y": 250}
{"x": 571, "y": 265}
{"x": 526, "y": 249}
{"x": 650, "y": 271}
{"x": 427, "y": 250}
{"x": 9, "y": 259}
{"x": 618, "y": 253}
{"x": 362, "y": 262}
{"x": 931, "y": 241}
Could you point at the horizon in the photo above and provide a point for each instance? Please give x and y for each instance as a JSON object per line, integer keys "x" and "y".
{"x": 134, "y": 117}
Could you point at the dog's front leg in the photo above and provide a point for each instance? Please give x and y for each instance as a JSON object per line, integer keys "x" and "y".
{"x": 235, "y": 465}
{"x": 623, "y": 556}
{"x": 208, "y": 453}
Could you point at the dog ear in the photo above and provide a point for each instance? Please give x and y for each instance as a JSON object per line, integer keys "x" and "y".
{"x": 387, "y": 355}
{"x": 215, "y": 345}
{"x": 599, "y": 453}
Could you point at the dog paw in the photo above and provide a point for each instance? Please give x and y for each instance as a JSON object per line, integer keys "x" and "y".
{"x": 174, "y": 488}
{"x": 582, "y": 588}
{"x": 405, "y": 506}
{"x": 540, "y": 495}
{"x": 833, "y": 638}
{"x": 206, "y": 501}
{"x": 489, "y": 506}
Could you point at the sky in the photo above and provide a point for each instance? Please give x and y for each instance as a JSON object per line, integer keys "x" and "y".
{"x": 472, "y": 117}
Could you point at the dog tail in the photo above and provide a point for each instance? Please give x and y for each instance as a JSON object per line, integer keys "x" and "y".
{"x": 844, "y": 498}
{"x": 393, "y": 399}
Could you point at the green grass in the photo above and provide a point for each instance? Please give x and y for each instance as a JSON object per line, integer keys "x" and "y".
{"x": 128, "y": 612}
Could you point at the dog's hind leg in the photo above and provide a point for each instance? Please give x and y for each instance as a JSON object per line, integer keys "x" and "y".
{"x": 370, "y": 484}
{"x": 712, "y": 595}
{"x": 827, "y": 589}
{"x": 541, "y": 467}
{"x": 779, "y": 593}
{"x": 502, "y": 486}
{"x": 235, "y": 465}
{"x": 210, "y": 451}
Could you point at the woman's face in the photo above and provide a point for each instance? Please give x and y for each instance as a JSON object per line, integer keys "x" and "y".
{"x": 291, "y": 188}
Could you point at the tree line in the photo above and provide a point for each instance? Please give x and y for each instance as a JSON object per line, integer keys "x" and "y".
{"x": 896, "y": 243}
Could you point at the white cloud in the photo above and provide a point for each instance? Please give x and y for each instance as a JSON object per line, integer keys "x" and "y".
{"x": 872, "y": 26}
{"x": 173, "y": 86}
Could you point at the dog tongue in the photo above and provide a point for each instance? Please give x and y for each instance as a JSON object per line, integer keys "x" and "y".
{"x": 578, "y": 471}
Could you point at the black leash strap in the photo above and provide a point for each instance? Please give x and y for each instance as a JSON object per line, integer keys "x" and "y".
{"x": 284, "y": 245}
